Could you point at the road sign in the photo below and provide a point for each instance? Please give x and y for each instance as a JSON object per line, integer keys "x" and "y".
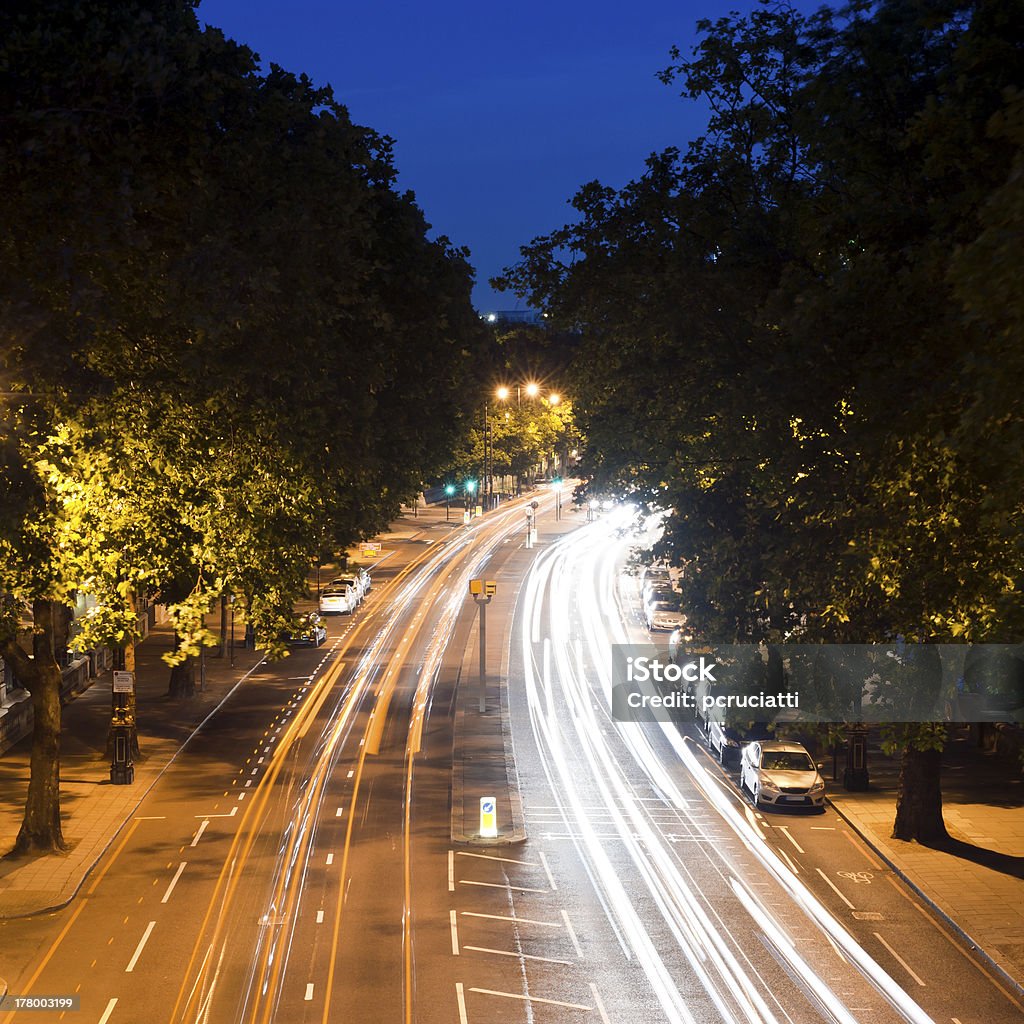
{"x": 124, "y": 682}
{"x": 534, "y": 504}
{"x": 488, "y": 818}
{"x": 369, "y": 549}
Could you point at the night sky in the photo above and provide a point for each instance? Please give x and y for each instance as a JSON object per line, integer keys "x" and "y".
{"x": 499, "y": 111}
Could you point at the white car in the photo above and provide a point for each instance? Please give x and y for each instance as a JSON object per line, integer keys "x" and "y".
{"x": 779, "y": 773}
{"x": 663, "y": 614}
{"x": 339, "y": 599}
{"x": 351, "y": 580}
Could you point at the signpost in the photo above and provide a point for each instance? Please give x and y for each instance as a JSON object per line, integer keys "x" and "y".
{"x": 483, "y": 591}
{"x": 488, "y": 817}
{"x": 369, "y": 549}
{"x": 122, "y": 768}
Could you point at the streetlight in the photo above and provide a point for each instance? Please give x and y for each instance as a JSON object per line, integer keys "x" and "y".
{"x": 449, "y": 490}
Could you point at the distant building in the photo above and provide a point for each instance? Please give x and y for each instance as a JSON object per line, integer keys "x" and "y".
{"x": 514, "y": 316}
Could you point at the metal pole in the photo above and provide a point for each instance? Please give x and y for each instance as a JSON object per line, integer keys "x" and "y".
{"x": 233, "y": 630}
{"x": 447, "y": 506}
{"x": 483, "y": 656}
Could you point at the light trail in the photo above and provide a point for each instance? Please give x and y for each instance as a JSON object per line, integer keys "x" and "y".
{"x": 569, "y": 732}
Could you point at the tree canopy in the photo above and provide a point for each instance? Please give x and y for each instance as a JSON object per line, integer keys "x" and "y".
{"x": 801, "y": 333}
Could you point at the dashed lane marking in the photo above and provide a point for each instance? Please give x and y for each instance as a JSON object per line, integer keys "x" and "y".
{"x": 455, "y": 932}
{"x": 108, "y": 1011}
{"x": 174, "y": 881}
{"x": 460, "y": 995}
{"x": 518, "y": 956}
{"x": 547, "y": 871}
{"x": 139, "y": 948}
{"x": 507, "y": 860}
{"x": 784, "y": 829}
{"x": 572, "y": 935}
{"x": 835, "y": 888}
{"x": 518, "y": 920}
{"x": 600, "y": 1003}
{"x": 496, "y": 885}
{"x": 903, "y": 963}
{"x": 530, "y": 999}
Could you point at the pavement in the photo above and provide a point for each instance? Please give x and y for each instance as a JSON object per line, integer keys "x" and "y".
{"x": 976, "y": 880}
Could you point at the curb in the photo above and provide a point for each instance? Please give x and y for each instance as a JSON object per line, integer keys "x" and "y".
{"x": 142, "y": 796}
{"x": 868, "y": 837}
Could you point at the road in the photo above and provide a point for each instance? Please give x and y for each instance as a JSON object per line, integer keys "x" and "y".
{"x": 295, "y": 863}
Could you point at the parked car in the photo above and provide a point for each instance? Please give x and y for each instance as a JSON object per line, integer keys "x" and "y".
{"x": 662, "y": 613}
{"x": 780, "y": 773}
{"x": 725, "y": 741}
{"x": 308, "y": 630}
{"x": 350, "y": 580}
{"x": 340, "y": 599}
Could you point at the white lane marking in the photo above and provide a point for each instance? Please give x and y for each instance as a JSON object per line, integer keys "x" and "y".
{"x": 319, "y": 917}
{"x": 529, "y": 999}
{"x": 254, "y": 771}
{"x": 835, "y": 888}
{"x": 233, "y": 812}
{"x": 241, "y": 796}
{"x": 547, "y": 871}
{"x": 524, "y": 956}
{"x": 900, "y": 959}
{"x": 956, "y": 1020}
{"x": 784, "y": 829}
{"x": 199, "y": 835}
{"x": 338, "y": 813}
{"x": 455, "y": 932}
{"x": 507, "y": 860}
{"x": 330, "y": 858}
{"x": 174, "y": 880}
{"x": 451, "y": 871}
{"x": 138, "y": 949}
{"x": 150, "y": 817}
{"x": 572, "y": 934}
{"x": 823, "y": 828}
{"x": 518, "y": 920}
{"x": 495, "y": 885}
{"x": 350, "y": 774}
{"x": 260, "y": 761}
{"x": 461, "y": 996}
{"x": 788, "y": 860}
{"x": 108, "y": 1011}
{"x": 309, "y": 992}
{"x": 600, "y": 1004}
{"x": 248, "y": 783}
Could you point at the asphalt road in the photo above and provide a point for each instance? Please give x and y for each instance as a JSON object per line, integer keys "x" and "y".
{"x": 295, "y": 865}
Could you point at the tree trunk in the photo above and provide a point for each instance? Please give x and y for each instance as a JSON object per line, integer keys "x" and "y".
{"x": 919, "y": 802}
{"x": 41, "y": 676}
{"x": 183, "y": 676}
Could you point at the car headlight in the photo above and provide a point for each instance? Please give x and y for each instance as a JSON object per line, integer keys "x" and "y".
{"x": 818, "y": 787}
{"x": 769, "y": 785}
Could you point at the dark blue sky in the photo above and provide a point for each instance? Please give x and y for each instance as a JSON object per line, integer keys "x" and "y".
{"x": 499, "y": 111}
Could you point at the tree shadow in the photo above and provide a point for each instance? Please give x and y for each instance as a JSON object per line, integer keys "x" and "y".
{"x": 1004, "y": 863}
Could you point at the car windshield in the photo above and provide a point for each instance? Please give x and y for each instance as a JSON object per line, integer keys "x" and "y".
{"x": 664, "y": 606}
{"x": 786, "y": 761}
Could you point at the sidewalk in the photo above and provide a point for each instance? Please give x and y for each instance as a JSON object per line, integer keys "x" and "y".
{"x": 976, "y": 881}
{"x": 92, "y": 809}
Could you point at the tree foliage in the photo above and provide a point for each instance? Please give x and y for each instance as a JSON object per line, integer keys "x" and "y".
{"x": 802, "y": 333}
{"x": 220, "y": 326}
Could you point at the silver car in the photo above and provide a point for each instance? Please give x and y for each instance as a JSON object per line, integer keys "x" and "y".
{"x": 338, "y": 599}
{"x": 780, "y": 773}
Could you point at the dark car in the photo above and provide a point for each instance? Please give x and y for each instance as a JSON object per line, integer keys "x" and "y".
{"x": 308, "y": 630}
